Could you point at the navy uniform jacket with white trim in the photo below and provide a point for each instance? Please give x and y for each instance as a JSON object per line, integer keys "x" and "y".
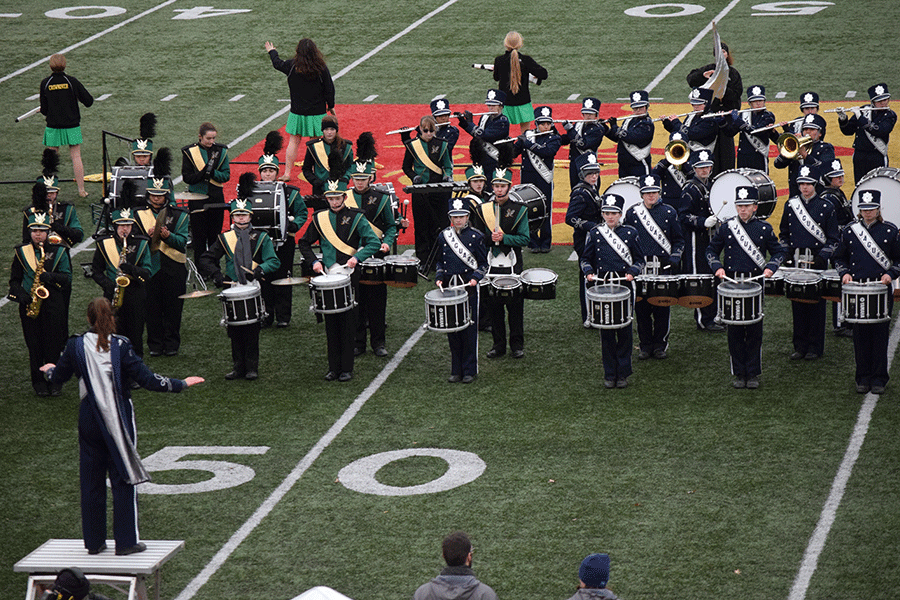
{"x": 736, "y": 259}
{"x": 819, "y": 156}
{"x": 667, "y": 220}
{"x": 600, "y": 258}
{"x": 695, "y": 130}
{"x": 695, "y": 200}
{"x": 852, "y": 257}
{"x": 843, "y": 210}
{"x": 672, "y": 188}
{"x": 449, "y": 264}
{"x": 583, "y": 137}
{"x": 743, "y": 127}
{"x": 448, "y": 133}
{"x": 583, "y": 213}
{"x": 795, "y": 236}
{"x": 544, "y": 147}
{"x": 636, "y": 130}
{"x": 879, "y": 126}
{"x": 490, "y": 128}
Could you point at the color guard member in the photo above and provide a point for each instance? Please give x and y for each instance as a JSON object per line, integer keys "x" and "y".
{"x": 205, "y": 168}
{"x": 538, "y": 148}
{"x": 634, "y": 137}
{"x": 584, "y": 136}
{"x": 872, "y": 131}
{"x": 583, "y": 214}
{"x": 613, "y": 250}
{"x": 745, "y": 240}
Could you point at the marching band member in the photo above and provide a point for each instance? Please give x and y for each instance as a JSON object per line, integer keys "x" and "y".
{"x": 697, "y": 219}
{"x": 634, "y": 137}
{"x": 612, "y": 249}
{"x": 64, "y": 224}
{"x": 379, "y": 213}
{"x": 659, "y": 234}
{"x": 427, "y": 160}
{"x": 142, "y": 147}
{"x": 869, "y": 250}
{"x": 205, "y": 168}
{"x": 462, "y": 260}
{"x": 445, "y": 130}
{"x": 843, "y": 213}
{"x": 491, "y": 127}
{"x": 809, "y": 105}
{"x": 809, "y": 231}
{"x": 537, "y": 153}
{"x": 872, "y": 129}
{"x": 731, "y": 100}
{"x": 753, "y": 148}
{"x": 745, "y": 240}
{"x": 326, "y": 156}
{"x": 249, "y": 256}
{"x": 672, "y": 178}
{"x": 584, "y": 136}
{"x": 814, "y": 155}
{"x": 121, "y": 267}
{"x": 167, "y": 227}
{"x": 583, "y": 214}
{"x": 477, "y": 182}
{"x": 346, "y": 239}
{"x": 279, "y": 298}
{"x": 40, "y": 281}
{"x": 699, "y": 133}
{"x": 505, "y": 227}
{"x": 511, "y": 72}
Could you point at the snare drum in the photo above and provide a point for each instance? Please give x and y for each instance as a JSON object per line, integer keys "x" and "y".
{"x": 697, "y": 290}
{"x": 739, "y": 303}
{"x": 865, "y": 302}
{"x": 401, "y": 271}
{"x": 721, "y": 194}
{"x": 331, "y": 294}
{"x": 269, "y": 209}
{"x": 659, "y": 290}
{"x": 505, "y": 288}
{"x": 539, "y": 284}
{"x": 629, "y": 188}
{"x": 609, "y": 306}
{"x": 447, "y": 310}
{"x": 803, "y": 286}
{"x": 535, "y": 203}
{"x": 831, "y": 285}
{"x": 242, "y": 305}
{"x": 774, "y": 285}
{"x": 371, "y": 271}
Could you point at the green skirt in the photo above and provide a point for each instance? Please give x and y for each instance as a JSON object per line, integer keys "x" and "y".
{"x": 304, "y": 125}
{"x": 54, "y": 138}
{"x": 523, "y": 113}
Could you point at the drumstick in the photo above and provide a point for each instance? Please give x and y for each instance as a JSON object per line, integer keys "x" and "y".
{"x": 727, "y": 278}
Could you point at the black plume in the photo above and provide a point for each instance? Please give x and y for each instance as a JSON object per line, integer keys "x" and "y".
{"x": 50, "y": 162}
{"x": 477, "y": 153}
{"x": 128, "y": 197}
{"x": 365, "y": 147}
{"x": 39, "y": 197}
{"x": 162, "y": 164}
{"x": 246, "y": 184}
{"x": 337, "y": 168}
{"x": 507, "y": 155}
{"x": 148, "y": 126}
{"x": 274, "y": 142}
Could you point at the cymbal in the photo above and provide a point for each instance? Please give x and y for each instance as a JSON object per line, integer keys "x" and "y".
{"x": 197, "y": 294}
{"x": 291, "y": 281}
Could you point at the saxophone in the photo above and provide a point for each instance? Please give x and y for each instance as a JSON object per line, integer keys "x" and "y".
{"x": 122, "y": 282}
{"x": 39, "y": 292}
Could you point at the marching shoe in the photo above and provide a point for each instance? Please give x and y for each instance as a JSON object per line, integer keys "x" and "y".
{"x": 454, "y": 379}
{"x": 609, "y": 383}
{"x": 345, "y": 376}
{"x": 739, "y": 383}
{"x": 878, "y": 389}
{"x": 660, "y": 353}
{"x": 753, "y": 383}
{"x": 358, "y": 351}
{"x": 518, "y": 353}
{"x": 330, "y": 376}
{"x": 715, "y": 328}
{"x": 796, "y": 355}
{"x": 251, "y": 375}
{"x": 494, "y": 353}
{"x": 862, "y": 388}
{"x": 233, "y": 375}
{"x": 139, "y": 547}
{"x": 622, "y": 383}
{"x": 282, "y": 324}
{"x": 468, "y": 379}
{"x": 380, "y": 351}
{"x": 98, "y": 550}
{"x": 643, "y": 355}
{"x": 811, "y": 356}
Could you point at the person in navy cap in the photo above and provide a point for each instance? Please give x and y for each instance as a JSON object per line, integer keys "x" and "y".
{"x": 872, "y": 131}
{"x": 584, "y": 136}
{"x": 491, "y": 127}
{"x": 673, "y": 176}
{"x": 612, "y": 250}
{"x": 843, "y": 213}
{"x": 869, "y": 251}
{"x": 753, "y": 148}
{"x": 538, "y": 148}
{"x": 809, "y": 230}
{"x": 699, "y": 133}
{"x": 440, "y": 110}
{"x": 583, "y": 214}
{"x": 462, "y": 260}
{"x": 814, "y": 153}
{"x": 809, "y": 105}
{"x": 745, "y": 240}
{"x": 634, "y": 137}
{"x": 593, "y": 576}
{"x": 697, "y": 219}
{"x": 659, "y": 233}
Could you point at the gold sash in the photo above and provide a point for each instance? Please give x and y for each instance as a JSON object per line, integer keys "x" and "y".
{"x": 322, "y": 156}
{"x": 111, "y": 251}
{"x": 199, "y": 163}
{"x": 30, "y": 257}
{"x": 230, "y": 239}
{"x": 420, "y": 149}
{"x": 323, "y": 222}
{"x": 487, "y": 213}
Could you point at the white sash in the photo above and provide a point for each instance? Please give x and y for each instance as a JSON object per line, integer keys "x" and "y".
{"x": 747, "y": 245}
{"x": 539, "y": 166}
{"x": 878, "y": 143}
{"x": 694, "y": 144}
{"x": 870, "y": 245}
{"x": 459, "y": 249}
{"x": 758, "y": 144}
{"x": 678, "y": 175}
{"x": 639, "y": 153}
{"x": 616, "y": 243}
{"x": 652, "y": 227}
{"x": 488, "y": 147}
{"x": 806, "y": 219}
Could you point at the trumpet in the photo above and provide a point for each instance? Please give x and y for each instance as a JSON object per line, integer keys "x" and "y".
{"x": 728, "y": 112}
{"x": 677, "y": 152}
{"x": 789, "y": 144}
{"x": 693, "y": 112}
{"x": 39, "y": 292}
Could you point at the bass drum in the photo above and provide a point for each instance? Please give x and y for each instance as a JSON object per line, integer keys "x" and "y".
{"x": 628, "y": 188}
{"x": 534, "y": 201}
{"x": 721, "y": 195}
{"x": 137, "y": 175}
{"x": 269, "y": 209}
{"x": 887, "y": 181}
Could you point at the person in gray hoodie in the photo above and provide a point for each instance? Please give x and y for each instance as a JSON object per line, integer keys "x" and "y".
{"x": 456, "y": 581}
{"x": 593, "y": 575}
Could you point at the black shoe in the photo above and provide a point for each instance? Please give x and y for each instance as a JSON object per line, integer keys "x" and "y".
{"x": 643, "y": 355}
{"x": 282, "y": 324}
{"x": 844, "y": 332}
{"x": 42, "y": 392}
{"x": 134, "y": 385}
{"x": 345, "y": 376}
{"x": 714, "y": 328}
{"x": 265, "y": 324}
{"x": 796, "y": 355}
{"x": 468, "y": 378}
{"x": 171, "y": 352}
{"x": 878, "y": 389}
{"x": 609, "y": 383}
{"x": 251, "y": 375}
{"x": 811, "y": 356}
{"x": 494, "y": 353}
{"x": 660, "y": 353}
{"x": 97, "y": 550}
{"x": 862, "y": 388}
{"x": 534, "y": 250}
{"x": 234, "y": 375}
{"x": 517, "y": 353}
{"x": 359, "y": 351}
{"x": 156, "y": 353}
{"x": 545, "y": 250}
{"x": 739, "y": 383}
{"x": 330, "y": 376}
{"x": 622, "y": 383}
{"x": 752, "y": 383}
{"x": 139, "y": 547}
{"x": 55, "y": 389}
{"x": 454, "y": 379}
{"x": 380, "y": 351}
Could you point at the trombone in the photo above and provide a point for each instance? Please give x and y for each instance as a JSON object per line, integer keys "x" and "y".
{"x": 789, "y": 144}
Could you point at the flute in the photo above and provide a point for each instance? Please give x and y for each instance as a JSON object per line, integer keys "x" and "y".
{"x": 693, "y": 112}
{"x": 728, "y": 112}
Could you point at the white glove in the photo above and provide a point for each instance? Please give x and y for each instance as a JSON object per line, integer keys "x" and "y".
{"x": 855, "y": 112}
{"x": 711, "y": 220}
{"x": 529, "y": 135}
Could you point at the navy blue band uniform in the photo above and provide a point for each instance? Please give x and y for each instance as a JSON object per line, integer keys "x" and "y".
{"x": 872, "y": 132}
{"x": 633, "y": 138}
{"x": 538, "y": 153}
{"x": 583, "y": 137}
{"x": 693, "y": 216}
{"x": 582, "y": 215}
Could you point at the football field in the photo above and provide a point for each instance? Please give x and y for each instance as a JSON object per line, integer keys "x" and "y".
{"x": 290, "y": 482}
